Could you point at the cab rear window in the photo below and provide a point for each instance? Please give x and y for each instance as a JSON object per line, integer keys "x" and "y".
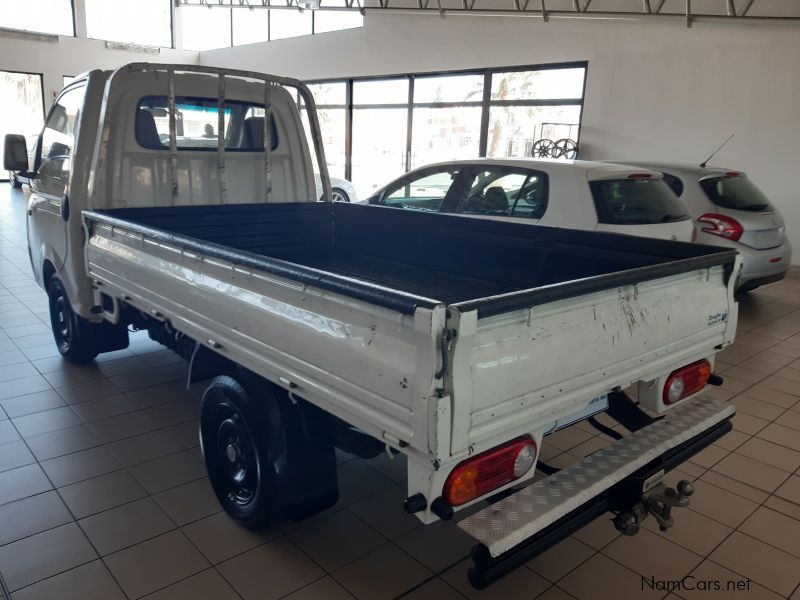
{"x": 738, "y": 193}
{"x": 196, "y": 124}
{"x": 636, "y": 202}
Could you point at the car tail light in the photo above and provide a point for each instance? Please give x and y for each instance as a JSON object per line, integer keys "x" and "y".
{"x": 732, "y": 174}
{"x": 777, "y": 259}
{"x": 639, "y": 176}
{"x": 722, "y": 226}
{"x": 489, "y": 470}
{"x": 686, "y": 381}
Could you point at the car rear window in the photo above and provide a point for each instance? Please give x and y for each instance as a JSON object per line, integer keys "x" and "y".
{"x": 636, "y": 202}
{"x": 738, "y": 193}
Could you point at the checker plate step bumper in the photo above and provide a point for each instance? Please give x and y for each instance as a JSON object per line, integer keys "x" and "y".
{"x": 509, "y": 522}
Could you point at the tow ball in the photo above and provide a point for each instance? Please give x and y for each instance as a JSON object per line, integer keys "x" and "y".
{"x": 659, "y": 502}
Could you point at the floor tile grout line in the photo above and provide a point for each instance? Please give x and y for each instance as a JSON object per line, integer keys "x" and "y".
{"x": 74, "y": 520}
{"x": 6, "y": 593}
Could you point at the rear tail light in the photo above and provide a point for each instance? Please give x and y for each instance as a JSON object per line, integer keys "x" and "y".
{"x": 686, "y": 381}
{"x": 722, "y": 226}
{"x": 639, "y": 176}
{"x": 490, "y": 470}
{"x": 732, "y": 174}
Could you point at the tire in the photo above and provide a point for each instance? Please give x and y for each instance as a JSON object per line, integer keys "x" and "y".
{"x": 339, "y": 195}
{"x": 74, "y": 335}
{"x": 238, "y": 438}
{"x": 12, "y": 179}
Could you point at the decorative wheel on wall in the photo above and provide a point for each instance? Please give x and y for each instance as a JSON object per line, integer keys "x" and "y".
{"x": 565, "y": 148}
{"x": 543, "y": 149}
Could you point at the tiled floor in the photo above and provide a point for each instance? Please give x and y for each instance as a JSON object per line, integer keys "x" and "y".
{"x": 103, "y": 493}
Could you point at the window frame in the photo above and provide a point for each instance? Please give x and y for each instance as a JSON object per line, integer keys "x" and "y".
{"x": 484, "y": 102}
{"x": 273, "y": 134}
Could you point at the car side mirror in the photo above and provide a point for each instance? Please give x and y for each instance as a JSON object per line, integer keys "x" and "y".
{"x": 15, "y": 153}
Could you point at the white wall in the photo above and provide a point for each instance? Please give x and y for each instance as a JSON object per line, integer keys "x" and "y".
{"x": 655, "y": 90}
{"x": 70, "y": 56}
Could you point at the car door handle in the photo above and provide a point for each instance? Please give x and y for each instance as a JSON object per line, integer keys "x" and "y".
{"x": 65, "y": 208}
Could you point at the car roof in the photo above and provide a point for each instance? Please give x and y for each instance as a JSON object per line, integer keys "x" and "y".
{"x": 592, "y": 169}
{"x": 686, "y": 169}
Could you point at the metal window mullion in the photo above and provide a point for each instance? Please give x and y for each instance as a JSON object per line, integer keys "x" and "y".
{"x": 173, "y": 136}
{"x": 221, "y": 172}
{"x": 409, "y": 121}
{"x": 553, "y": 102}
{"x": 465, "y": 104}
{"x": 485, "y": 107}
{"x": 348, "y": 131}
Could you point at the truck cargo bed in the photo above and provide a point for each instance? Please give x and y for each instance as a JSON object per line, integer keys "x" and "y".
{"x": 404, "y": 259}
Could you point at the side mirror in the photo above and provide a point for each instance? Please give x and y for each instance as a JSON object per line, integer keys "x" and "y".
{"x": 15, "y": 153}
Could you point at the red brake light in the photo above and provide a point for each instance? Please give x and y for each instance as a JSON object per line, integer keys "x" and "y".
{"x": 732, "y": 174}
{"x": 777, "y": 259}
{"x": 489, "y": 470}
{"x": 722, "y": 226}
{"x": 639, "y": 176}
{"x": 686, "y": 381}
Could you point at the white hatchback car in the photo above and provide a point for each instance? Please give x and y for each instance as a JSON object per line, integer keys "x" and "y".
{"x": 731, "y": 211}
{"x": 575, "y": 194}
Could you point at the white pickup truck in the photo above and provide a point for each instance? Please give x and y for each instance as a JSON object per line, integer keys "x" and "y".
{"x": 461, "y": 343}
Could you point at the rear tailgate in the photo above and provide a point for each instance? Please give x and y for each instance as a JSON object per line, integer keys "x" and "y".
{"x": 520, "y": 371}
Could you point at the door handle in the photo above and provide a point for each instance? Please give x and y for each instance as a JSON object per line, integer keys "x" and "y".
{"x": 65, "y": 208}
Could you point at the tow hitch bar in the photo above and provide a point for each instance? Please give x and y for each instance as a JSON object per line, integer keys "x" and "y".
{"x": 659, "y": 502}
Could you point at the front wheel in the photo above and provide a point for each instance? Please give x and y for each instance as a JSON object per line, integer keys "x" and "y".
{"x": 72, "y": 333}
{"x": 339, "y": 195}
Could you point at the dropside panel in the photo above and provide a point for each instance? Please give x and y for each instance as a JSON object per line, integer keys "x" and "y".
{"x": 523, "y": 370}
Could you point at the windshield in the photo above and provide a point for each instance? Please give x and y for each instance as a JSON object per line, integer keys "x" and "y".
{"x": 636, "y": 202}
{"x": 738, "y": 193}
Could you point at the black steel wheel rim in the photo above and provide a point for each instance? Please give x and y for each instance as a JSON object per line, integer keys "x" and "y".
{"x": 62, "y": 322}
{"x": 236, "y": 454}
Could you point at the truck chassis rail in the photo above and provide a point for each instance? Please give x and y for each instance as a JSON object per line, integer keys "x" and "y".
{"x": 524, "y": 524}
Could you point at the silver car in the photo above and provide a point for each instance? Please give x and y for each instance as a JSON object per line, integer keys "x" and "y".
{"x": 729, "y": 210}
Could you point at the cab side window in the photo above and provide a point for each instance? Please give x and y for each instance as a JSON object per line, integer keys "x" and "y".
{"x": 505, "y": 192}
{"x": 421, "y": 191}
{"x": 59, "y": 133}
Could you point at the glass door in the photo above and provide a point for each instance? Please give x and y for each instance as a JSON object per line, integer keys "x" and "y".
{"x": 21, "y": 99}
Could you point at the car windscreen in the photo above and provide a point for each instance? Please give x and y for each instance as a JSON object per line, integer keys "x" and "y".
{"x": 636, "y": 202}
{"x": 738, "y": 193}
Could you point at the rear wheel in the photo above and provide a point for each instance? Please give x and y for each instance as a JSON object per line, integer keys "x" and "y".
{"x": 266, "y": 456}
{"x": 235, "y": 434}
{"x": 72, "y": 333}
